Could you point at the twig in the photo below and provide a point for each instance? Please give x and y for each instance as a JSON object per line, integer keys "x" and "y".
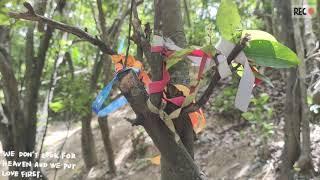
{"x": 139, "y": 36}
{"x": 32, "y": 16}
{"x": 129, "y": 34}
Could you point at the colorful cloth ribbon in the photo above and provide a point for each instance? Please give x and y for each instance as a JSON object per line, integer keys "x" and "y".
{"x": 246, "y": 85}
{"x": 166, "y": 47}
{"x": 97, "y": 105}
{"x": 159, "y": 86}
{"x": 118, "y": 60}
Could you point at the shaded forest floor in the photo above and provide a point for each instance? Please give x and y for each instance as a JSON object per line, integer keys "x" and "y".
{"x": 228, "y": 149}
{"x": 225, "y": 150}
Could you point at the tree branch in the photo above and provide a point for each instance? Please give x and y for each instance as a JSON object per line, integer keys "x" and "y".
{"x": 173, "y": 152}
{"x": 32, "y": 16}
{"x": 216, "y": 77}
{"x": 139, "y": 35}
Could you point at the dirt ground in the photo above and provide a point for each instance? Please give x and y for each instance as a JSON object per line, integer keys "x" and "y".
{"x": 226, "y": 150}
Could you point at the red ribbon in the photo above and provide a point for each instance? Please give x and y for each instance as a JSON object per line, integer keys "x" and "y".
{"x": 202, "y": 65}
{"x": 178, "y": 101}
{"x": 159, "y": 86}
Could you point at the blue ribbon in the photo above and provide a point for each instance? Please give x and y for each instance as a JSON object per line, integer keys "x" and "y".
{"x": 97, "y": 105}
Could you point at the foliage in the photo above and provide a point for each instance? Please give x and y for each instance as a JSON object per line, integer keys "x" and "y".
{"x": 180, "y": 55}
{"x": 263, "y": 49}
{"x": 258, "y": 35}
{"x": 73, "y": 95}
{"x": 224, "y": 102}
{"x": 228, "y": 19}
{"x": 271, "y": 54}
{"x": 57, "y": 106}
{"x": 260, "y": 114}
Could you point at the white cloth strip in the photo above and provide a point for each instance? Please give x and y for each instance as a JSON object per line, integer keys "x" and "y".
{"x": 246, "y": 85}
{"x": 166, "y": 42}
{"x": 223, "y": 67}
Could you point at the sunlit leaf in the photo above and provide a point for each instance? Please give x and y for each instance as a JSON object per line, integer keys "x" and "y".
{"x": 271, "y": 54}
{"x": 263, "y": 99}
{"x": 56, "y": 106}
{"x": 258, "y": 35}
{"x": 239, "y": 69}
{"x": 249, "y": 116}
{"x": 177, "y": 56}
{"x": 228, "y": 19}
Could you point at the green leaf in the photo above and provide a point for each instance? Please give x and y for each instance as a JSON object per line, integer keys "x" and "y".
{"x": 258, "y": 35}
{"x": 4, "y": 19}
{"x": 228, "y": 19}
{"x": 249, "y": 116}
{"x": 177, "y": 56}
{"x": 271, "y": 54}
{"x": 239, "y": 69}
{"x": 75, "y": 54}
{"x": 56, "y": 106}
{"x": 263, "y": 78}
{"x": 263, "y": 99}
{"x": 312, "y": 2}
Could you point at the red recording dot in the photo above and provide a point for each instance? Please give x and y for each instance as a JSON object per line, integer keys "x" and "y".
{"x": 311, "y": 11}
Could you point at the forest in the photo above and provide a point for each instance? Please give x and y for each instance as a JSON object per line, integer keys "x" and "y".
{"x": 160, "y": 89}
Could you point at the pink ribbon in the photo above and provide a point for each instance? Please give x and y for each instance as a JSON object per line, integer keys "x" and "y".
{"x": 202, "y": 65}
{"x": 158, "y": 86}
{"x": 178, "y": 101}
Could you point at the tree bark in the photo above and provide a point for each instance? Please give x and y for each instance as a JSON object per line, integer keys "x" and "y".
{"x": 21, "y": 129}
{"x": 175, "y": 154}
{"x": 169, "y": 22}
{"x": 318, "y": 20}
{"x": 291, "y": 151}
{"x": 87, "y": 143}
{"x": 15, "y": 137}
{"x": 105, "y": 132}
{"x": 304, "y": 162}
{"x": 305, "y": 41}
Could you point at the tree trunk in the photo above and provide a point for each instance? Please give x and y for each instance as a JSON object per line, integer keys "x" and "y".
{"x": 291, "y": 151}
{"x": 21, "y": 126}
{"x": 317, "y": 31}
{"x": 110, "y": 36}
{"x": 168, "y": 20}
{"x": 87, "y": 143}
{"x": 174, "y": 154}
{"x": 105, "y": 132}
{"x": 306, "y": 42}
{"x": 304, "y": 162}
